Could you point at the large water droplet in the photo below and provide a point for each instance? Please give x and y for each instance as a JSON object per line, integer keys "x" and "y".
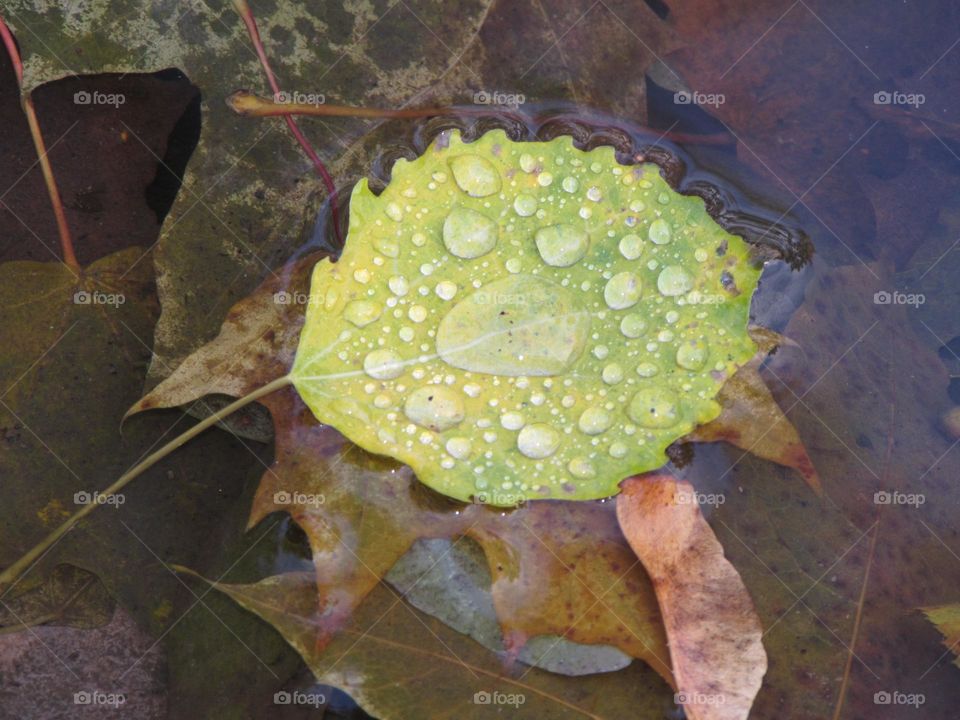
{"x": 581, "y": 468}
{"x": 692, "y": 354}
{"x": 562, "y": 245}
{"x": 633, "y": 325}
{"x": 469, "y": 234}
{"x": 475, "y": 175}
{"x": 622, "y": 291}
{"x": 518, "y": 325}
{"x": 361, "y": 312}
{"x": 435, "y": 407}
{"x": 674, "y": 280}
{"x": 538, "y": 441}
{"x": 631, "y": 246}
{"x": 654, "y": 408}
{"x": 459, "y": 447}
{"x": 594, "y": 420}
{"x": 659, "y": 232}
{"x": 525, "y": 205}
{"x": 383, "y": 364}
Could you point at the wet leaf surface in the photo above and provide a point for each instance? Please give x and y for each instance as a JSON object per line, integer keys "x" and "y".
{"x": 67, "y": 596}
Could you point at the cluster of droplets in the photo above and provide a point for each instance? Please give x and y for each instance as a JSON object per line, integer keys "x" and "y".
{"x": 536, "y": 319}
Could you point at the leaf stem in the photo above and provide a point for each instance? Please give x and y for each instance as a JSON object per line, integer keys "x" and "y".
{"x": 250, "y": 21}
{"x": 8, "y": 576}
{"x": 66, "y": 242}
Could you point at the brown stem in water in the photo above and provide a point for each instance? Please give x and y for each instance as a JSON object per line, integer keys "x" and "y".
{"x": 66, "y": 242}
{"x": 9, "y": 576}
{"x": 246, "y": 15}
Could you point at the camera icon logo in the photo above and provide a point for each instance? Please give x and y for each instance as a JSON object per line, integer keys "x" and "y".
{"x": 482, "y": 698}
{"x": 882, "y": 98}
{"x": 682, "y": 97}
{"x": 82, "y": 498}
{"x": 482, "y": 97}
{"x": 882, "y": 297}
{"x": 82, "y": 97}
{"x": 882, "y": 698}
{"x": 282, "y": 698}
{"x": 882, "y": 497}
{"x": 82, "y": 698}
{"x": 282, "y": 298}
{"x": 282, "y": 498}
{"x": 281, "y": 98}
{"x": 82, "y": 297}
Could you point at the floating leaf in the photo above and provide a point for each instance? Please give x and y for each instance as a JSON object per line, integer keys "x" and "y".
{"x": 712, "y": 627}
{"x": 524, "y": 320}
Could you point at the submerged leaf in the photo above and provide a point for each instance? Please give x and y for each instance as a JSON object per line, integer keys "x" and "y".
{"x": 68, "y": 596}
{"x": 712, "y": 627}
{"x": 525, "y": 320}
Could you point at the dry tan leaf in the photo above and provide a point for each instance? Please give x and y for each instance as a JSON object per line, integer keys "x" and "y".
{"x": 713, "y": 631}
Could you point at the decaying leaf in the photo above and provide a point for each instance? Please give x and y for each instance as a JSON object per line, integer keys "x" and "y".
{"x": 68, "y": 595}
{"x": 525, "y": 320}
{"x": 557, "y": 567}
{"x": 398, "y": 663}
{"x": 713, "y": 630}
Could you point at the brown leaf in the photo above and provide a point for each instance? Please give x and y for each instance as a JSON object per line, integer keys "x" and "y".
{"x": 558, "y": 567}
{"x": 753, "y": 421}
{"x": 712, "y": 628}
{"x": 946, "y": 618}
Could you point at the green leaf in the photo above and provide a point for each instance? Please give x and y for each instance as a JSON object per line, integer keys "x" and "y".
{"x": 525, "y": 320}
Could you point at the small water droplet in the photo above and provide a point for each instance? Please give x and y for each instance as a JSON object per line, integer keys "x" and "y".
{"x": 435, "y": 407}
{"x": 601, "y": 351}
{"x": 674, "y": 280}
{"x": 469, "y": 234}
{"x": 512, "y": 421}
{"x": 406, "y": 334}
{"x": 383, "y": 364}
{"x": 701, "y": 255}
{"x": 663, "y": 198}
{"x": 544, "y": 179}
{"x": 418, "y": 239}
{"x": 594, "y": 194}
{"x": 528, "y": 163}
{"x": 654, "y": 408}
{"x": 475, "y": 175}
{"x": 637, "y": 206}
{"x": 417, "y": 313}
{"x": 561, "y": 245}
{"x": 445, "y": 290}
{"x": 570, "y": 184}
{"x": 659, "y": 232}
{"x": 361, "y": 312}
{"x": 460, "y": 447}
{"x": 398, "y": 285}
{"x": 631, "y": 246}
{"x": 692, "y": 354}
{"x": 514, "y": 265}
{"x": 538, "y": 441}
{"x": 612, "y": 374}
{"x": 633, "y": 325}
{"x": 623, "y": 290}
{"x": 618, "y": 450}
{"x": 361, "y": 275}
{"x": 387, "y": 246}
{"x": 394, "y": 212}
{"x": 525, "y": 205}
{"x": 594, "y": 420}
{"x": 647, "y": 369}
{"x": 581, "y": 468}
